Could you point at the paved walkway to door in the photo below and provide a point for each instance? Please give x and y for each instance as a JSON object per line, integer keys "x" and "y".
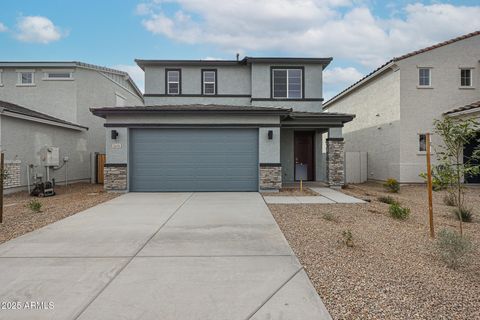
{"x": 325, "y": 196}
{"x": 159, "y": 256}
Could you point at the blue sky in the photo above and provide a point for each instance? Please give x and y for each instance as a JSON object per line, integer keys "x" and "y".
{"x": 359, "y": 35}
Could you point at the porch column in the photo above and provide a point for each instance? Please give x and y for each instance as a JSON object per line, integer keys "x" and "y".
{"x": 335, "y": 158}
{"x": 269, "y": 159}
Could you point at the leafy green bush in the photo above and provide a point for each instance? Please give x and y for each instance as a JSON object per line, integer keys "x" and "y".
{"x": 453, "y": 248}
{"x": 392, "y": 185}
{"x": 348, "y": 238}
{"x": 450, "y": 200}
{"x": 387, "y": 200}
{"x": 35, "y": 205}
{"x": 464, "y": 213}
{"x": 399, "y": 212}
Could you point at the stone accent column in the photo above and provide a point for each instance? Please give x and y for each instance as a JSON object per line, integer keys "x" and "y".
{"x": 270, "y": 176}
{"x": 12, "y": 170}
{"x": 335, "y": 162}
{"x": 115, "y": 177}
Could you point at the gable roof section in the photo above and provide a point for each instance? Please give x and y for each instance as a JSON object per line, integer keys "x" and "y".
{"x": 391, "y": 62}
{"x": 72, "y": 64}
{"x": 8, "y": 108}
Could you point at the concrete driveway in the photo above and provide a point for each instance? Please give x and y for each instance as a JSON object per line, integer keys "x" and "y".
{"x": 158, "y": 256}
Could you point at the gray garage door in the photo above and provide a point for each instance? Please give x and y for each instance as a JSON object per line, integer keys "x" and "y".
{"x": 193, "y": 160}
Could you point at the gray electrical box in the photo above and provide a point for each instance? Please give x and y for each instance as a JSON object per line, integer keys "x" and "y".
{"x": 52, "y": 157}
{"x": 301, "y": 172}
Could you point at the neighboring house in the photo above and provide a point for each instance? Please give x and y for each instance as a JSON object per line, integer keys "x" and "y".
{"x": 45, "y": 105}
{"x": 217, "y": 125}
{"x": 397, "y": 104}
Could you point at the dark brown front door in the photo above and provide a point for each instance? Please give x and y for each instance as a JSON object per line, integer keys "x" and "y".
{"x": 304, "y": 150}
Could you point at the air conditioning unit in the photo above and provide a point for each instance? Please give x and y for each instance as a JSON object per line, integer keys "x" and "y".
{"x": 52, "y": 158}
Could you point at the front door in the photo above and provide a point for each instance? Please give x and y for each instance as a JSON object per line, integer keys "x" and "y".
{"x": 467, "y": 153}
{"x": 303, "y": 153}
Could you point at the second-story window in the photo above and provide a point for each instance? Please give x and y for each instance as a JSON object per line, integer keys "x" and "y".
{"x": 465, "y": 77}
{"x": 173, "y": 81}
{"x": 26, "y": 78}
{"x": 287, "y": 83}
{"x": 424, "y": 77}
{"x": 209, "y": 82}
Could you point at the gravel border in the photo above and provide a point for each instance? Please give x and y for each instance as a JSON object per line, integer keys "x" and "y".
{"x": 393, "y": 271}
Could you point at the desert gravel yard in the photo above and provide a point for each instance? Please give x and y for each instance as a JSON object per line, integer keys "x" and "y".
{"x": 393, "y": 271}
{"x": 19, "y": 219}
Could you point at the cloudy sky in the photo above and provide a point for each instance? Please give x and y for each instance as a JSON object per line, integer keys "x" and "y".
{"x": 359, "y": 34}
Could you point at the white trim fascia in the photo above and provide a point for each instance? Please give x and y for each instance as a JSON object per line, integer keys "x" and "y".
{"x": 39, "y": 120}
{"x": 120, "y": 85}
{"x": 392, "y": 65}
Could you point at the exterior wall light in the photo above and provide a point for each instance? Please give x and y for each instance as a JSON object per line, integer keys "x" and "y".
{"x": 114, "y": 134}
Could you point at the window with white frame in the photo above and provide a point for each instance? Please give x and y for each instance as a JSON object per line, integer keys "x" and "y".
{"x": 465, "y": 77}
{"x": 422, "y": 142}
{"x": 209, "y": 82}
{"x": 424, "y": 77}
{"x": 173, "y": 82}
{"x": 58, "y": 75}
{"x": 287, "y": 83}
{"x": 26, "y": 78}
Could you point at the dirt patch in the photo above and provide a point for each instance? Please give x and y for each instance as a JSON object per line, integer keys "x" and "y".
{"x": 18, "y": 219}
{"x": 393, "y": 271}
{"x": 292, "y": 192}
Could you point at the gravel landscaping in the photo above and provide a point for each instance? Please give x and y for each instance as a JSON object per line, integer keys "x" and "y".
{"x": 19, "y": 219}
{"x": 393, "y": 271}
{"x": 294, "y": 192}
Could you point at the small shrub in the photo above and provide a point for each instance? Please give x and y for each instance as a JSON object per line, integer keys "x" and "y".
{"x": 453, "y": 248}
{"x": 450, "y": 200}
{"x": 464, "y": 213}
{"x": 387, "y": 200}
{"x": 329, "y": 216}
{"x": 392, "y": 185}
{"x": 398, "y": 212}
{"x": 35, "y": 205}
{"x": 348, "y": 238}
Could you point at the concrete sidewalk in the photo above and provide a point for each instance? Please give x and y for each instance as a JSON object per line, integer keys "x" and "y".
{"x": 159, "y": 256}
{"x": 325, "y": 196}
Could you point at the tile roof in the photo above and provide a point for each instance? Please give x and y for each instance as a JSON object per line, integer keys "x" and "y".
{"x": 13, "y": 108}
{"x": 468, "y": 107}
{"x": 408, "y": 55}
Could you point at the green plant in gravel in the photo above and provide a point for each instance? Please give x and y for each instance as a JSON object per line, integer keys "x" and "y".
{"x": 387, "y": 200}
{"x": 329, "y": 216}
{"x": 348, "y": 238}
{"x": 455, "y": 134}
{"x": 398, "y": 212}
{"x": 464, "y": 213}
{"x": 392, "y": 185}
{"x": 35, "y": 205}
{"x": 453, "y": 248}
{"x": 450, "y": 200}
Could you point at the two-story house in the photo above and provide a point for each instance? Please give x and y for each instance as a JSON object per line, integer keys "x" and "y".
{"x": 397, "y": 104}
{"x": 44, "y": 107}
{"x": 219, "y": 125}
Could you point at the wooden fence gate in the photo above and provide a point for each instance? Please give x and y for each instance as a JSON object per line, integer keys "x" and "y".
{"x": 101, "y": 158}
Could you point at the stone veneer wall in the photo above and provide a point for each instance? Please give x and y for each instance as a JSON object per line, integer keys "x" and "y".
{"x": 115, "y": 177}
{"x": 12, "y": 169}
{"x": 335, "y": 162}
{"x": 270, "y": 176}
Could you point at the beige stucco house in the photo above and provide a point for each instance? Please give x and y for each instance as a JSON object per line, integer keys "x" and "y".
{"x": 397, "y": 103}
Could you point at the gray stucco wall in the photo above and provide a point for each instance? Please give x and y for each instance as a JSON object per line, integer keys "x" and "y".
{"x": 419, "y": 107}
{"x": 25, "y": 140}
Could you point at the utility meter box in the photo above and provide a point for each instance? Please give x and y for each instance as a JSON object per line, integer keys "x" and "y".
{"x": 52, "y": 158}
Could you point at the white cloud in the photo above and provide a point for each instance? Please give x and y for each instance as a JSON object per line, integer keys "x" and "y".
{"x": 135, "y": 73}
{"x": 37, "y": 29}
{"x": 3, "y": 28}
{"x": 309, "y": 27}
{"x": 341, "y": 76}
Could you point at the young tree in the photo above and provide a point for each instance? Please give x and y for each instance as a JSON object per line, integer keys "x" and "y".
{"x": 452, "y": 168}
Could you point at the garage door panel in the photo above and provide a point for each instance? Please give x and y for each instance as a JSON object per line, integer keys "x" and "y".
{"x": 194, "y": 160}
